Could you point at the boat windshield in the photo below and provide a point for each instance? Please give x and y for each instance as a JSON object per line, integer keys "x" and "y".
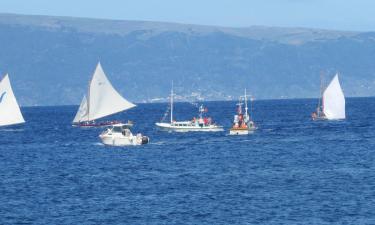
{"x": 116, "y": 129}
{"x": 125, "y": 127}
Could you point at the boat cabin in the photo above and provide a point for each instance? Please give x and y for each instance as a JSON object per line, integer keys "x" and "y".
{"x": 120, "y": 129}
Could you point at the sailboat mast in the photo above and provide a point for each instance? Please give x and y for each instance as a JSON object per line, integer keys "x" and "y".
{"x": 172, "y": 103}
{"x": 88, "y": 101}
{"x": 321, "y": 95}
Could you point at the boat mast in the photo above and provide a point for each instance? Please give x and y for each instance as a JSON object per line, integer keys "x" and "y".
{"x": 321, "y": 95}
{"x": 201, "y": 111}
{"x": 88, "y": 93}
{"x": 246, "y": 108}
{"x": 172, "y": 103}
{"x": 251, "y": 106}
{"x": 321, "y": 100}
{"x": 88, "y": 101}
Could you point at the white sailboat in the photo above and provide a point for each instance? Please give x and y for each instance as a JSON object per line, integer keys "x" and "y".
{"x": 196, "y": 124}
{"x": 10, "y": 112}
{"x": 333, "y": 102}
{"x": 102, "y": 100}
{"x": 242, "y": 123}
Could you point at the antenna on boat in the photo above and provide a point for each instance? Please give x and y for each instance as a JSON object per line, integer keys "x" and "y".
{"x": 251, "y": 107}
{"x": 246, "y": 108}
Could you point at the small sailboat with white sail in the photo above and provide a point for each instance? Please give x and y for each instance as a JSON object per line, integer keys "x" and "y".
{"x": 331, "y": 104}
{"x": 243, "y": 123}
{"x": 199, "y": 124}
{"x": 10, "y": 113}
{"x": 101, "y": 100}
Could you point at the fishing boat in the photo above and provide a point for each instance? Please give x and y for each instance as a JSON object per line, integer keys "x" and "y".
{"x": 101, "y": 100}
{"x": 199, "y": 124}
{"x": 10, "y": 113}
{"x": 120, "y": 135}
{"x": 331, "y": 104}
{"x": 242, "y": 123}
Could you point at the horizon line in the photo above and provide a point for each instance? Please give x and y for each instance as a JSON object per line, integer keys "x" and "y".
{"x": 224, "y": 100}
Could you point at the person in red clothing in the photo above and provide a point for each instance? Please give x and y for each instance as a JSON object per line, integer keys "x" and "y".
{"x": 205, "y": 121}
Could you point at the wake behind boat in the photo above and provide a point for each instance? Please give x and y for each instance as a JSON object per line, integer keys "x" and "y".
{"x": 199, "y": 124}
{"x": 102, "y": 100}
{"x": 10, "y": 113}
{"x": 331, "y": 105}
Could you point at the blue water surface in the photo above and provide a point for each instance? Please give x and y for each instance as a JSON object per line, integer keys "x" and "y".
{"x": 290, "y": 171}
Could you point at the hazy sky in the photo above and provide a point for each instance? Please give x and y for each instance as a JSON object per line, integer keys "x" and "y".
{"x": 331, "y": 14}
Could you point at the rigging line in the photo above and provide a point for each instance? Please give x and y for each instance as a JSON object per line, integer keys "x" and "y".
{"x": 166, "y": 113}
{"x": 193, "y": 103}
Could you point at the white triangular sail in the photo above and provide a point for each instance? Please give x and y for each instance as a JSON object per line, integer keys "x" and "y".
{"x": 82, "y": 113}
{"x": 10, "y": 112}
{"x": 102, "y": 100}
{"x": 334, "y": 100}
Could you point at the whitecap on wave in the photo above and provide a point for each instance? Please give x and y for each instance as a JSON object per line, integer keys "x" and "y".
{"x": 98, "y": 144}
{"x": 157, "y": 143}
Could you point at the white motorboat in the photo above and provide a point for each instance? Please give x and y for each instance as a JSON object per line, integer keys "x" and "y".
{"x": 10, "y": 113}
{"x": 120, "y": 135}
{"x": 331, "y": 103}
{"x": 200, "y": 124}
{"x": 242, "y": 123}
{"x": 102, "y": 100}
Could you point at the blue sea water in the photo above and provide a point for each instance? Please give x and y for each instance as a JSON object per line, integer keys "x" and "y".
{"x": 290, "y": 171}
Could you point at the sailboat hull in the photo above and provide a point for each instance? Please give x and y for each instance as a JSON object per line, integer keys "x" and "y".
{"x": 100, "y": 124}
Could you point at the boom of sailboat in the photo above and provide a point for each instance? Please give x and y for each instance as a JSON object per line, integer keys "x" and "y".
{"x": 102, "y": 100}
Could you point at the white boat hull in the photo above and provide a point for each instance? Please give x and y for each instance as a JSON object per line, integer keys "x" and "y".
{"x": 120, "y": 135}
{"x": 240, "y": 131}
{"x": 189, "y": 128}
{"x": 120, "y": 140}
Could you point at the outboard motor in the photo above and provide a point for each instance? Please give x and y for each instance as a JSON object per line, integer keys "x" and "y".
{"x": 145, "y": 140}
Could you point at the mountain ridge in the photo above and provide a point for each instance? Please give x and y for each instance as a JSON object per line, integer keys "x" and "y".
{"x": 46, "y": 54}
{"x": 124, "y": 27}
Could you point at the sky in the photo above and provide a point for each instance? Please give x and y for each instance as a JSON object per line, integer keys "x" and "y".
{"x": 354, "y": 15}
